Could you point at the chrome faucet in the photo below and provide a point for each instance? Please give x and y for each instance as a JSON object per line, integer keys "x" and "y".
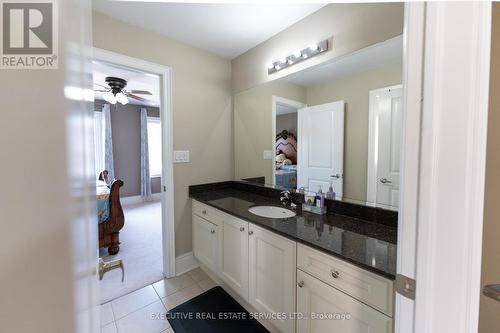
{"x": 286, "y": 199}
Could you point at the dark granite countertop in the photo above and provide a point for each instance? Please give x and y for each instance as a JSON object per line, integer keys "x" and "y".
{"x": 369, "y": 245}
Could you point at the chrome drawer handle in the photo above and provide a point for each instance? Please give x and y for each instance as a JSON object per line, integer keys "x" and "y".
{"x": 250, "y": 232}
{"x": 335, "y": 274}
{"x": 204, "y": 212}
{"x": 300, "y": 284}
{"x": 242, "y": 229}
{"x": 212, "y": 231}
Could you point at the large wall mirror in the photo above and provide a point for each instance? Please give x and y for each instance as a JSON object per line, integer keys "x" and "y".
{"x": 335, "y": 124}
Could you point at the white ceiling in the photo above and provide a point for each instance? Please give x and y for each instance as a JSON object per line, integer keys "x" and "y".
{"x": 369, "y": 58}
{"x": 224, "y": 29}
{"x": 282, "y": 109}
{"x": 136, "y": 80}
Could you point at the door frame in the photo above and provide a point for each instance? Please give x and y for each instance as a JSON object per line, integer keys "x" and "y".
{"x": 452, "y": 166}
{"x": 166, "y": 119}
{"x": 371, "y": 190}
{"x": 290, "y": 102}
{"x": 413, "y": 63}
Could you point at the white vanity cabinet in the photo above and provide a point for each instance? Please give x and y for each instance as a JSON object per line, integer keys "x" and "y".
{"x": 331, "y": 307}
{"x": 233, "y": 257}
{"x": 272, "y": 263}
{"x": 276, "y": 276}
{"x": 205, "y": 242}
{"x": 206, "y": 234}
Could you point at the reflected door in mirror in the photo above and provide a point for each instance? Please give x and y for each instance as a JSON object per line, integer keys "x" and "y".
{"x": 384, "y": 146}
{"x": 320, "y": 160}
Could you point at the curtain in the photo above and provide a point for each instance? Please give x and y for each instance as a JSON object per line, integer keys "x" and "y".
{"x": 108, "y": 142}
{"x": 145, "y": 176}
{"x": 98, "y": 142}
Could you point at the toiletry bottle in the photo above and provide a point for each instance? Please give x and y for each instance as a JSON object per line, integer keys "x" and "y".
{"x": 320, "y": 198}
{"x": 329, "y": 194}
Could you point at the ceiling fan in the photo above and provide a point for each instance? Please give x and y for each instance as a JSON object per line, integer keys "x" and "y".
{"x": 115, "y": 91}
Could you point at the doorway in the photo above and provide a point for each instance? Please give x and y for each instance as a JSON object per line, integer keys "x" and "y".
{"x": 285, "y": 141}
{"x": 133, "y": 144}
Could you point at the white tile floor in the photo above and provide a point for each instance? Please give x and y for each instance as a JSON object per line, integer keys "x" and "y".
{"x": 142, "y": 311}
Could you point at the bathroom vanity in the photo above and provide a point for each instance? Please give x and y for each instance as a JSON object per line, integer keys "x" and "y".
{"x": 308, "y": 273}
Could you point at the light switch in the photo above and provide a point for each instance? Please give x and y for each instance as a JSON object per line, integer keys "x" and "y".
{"x": 268, "y": 154}
{"x": 181, "y": 156}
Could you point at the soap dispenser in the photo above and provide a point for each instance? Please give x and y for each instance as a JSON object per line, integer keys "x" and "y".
{"x": 320, "y": 198}
{"x": 331, "y": 193}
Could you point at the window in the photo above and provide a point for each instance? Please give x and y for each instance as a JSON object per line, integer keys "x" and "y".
{"x": 154, "y": 144}
{"x": 99, "y": 142}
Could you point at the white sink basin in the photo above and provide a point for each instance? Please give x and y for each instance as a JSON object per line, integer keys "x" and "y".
{"x": 272, "y": 212}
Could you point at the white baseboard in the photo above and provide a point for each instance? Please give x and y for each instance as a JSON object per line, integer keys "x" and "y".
{"x": 185, "y": 263}
{"x": 135, "y": 199}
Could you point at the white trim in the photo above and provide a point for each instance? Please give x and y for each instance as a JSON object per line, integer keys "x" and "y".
{"x": 185, "y": 263}
{"x": 136, "y": 199}
{"x": 413, "y": 52}
{"x": 371, "y": 182}
{"x": 166, "y": 118}
{"x": 292, "y": 103}
{"x": 452, "y": 166}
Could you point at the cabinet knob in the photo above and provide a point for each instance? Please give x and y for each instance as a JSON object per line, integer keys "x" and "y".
{"x": 242, "y": 229}
{"x": 250, "y": 232}
{"x": 300, "y": 284}
{"x": 204, "y": 212}
{"x": 335, "y": 274}
{"x": 212, "y": 231}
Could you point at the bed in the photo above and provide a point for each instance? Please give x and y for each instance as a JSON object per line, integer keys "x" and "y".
{"x": 110, "y": 215}
{"x": 286, "y": 160}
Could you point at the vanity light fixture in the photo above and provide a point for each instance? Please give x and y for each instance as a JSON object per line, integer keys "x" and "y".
{"x": 297, "y": 56}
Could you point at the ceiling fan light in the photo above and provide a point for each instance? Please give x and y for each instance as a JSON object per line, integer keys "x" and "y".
{"x": 109, "y": 97}
{"x": 121, "y": 98}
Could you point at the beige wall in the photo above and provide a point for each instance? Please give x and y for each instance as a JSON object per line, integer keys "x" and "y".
{"x": 286, "y": 122}
{"x": 489, "y": 314}
{"x": 202, "y": 114}
{"x": 354, "y": 90}
{"x": 253, "y": 127}
{"x": 353, "y": 27}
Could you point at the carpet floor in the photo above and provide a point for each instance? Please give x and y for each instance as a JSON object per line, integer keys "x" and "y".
{"x": 140, "y": 251}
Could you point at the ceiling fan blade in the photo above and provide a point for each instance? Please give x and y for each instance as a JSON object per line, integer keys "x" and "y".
{"x": 137, "y": 98}
{"x": 140, "y": 92}
{"x": 100, "y": 90}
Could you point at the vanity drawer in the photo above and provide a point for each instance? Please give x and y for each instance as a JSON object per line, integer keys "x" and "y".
{"x": 206, "y": 212}
{"x": 365, "y": 286}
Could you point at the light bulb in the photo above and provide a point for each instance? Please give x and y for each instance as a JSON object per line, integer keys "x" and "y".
{"x": 109, "y": 97}
{"x": 121, "y": 98}
{"x": 313, "y": 47}
{"x": 297, "y": 54}
{"x": 270, "y": 66}
{"x": 283, "y": 60}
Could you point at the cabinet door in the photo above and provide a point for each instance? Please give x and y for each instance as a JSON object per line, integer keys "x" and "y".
{"x": 233, "y": 264}
{"x": 205, "y": 242}
{"x": 315, "y": 299}
{"x": 272, "y": 266}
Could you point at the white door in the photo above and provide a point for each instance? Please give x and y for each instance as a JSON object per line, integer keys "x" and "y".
{"x": 315, "y": 297}
{"x": 205, "y": 242}
{"x": 320, "y": 158}
{"x": 384, "y": 146}
{"x": 233, "y": 259}
{"x": 272, "y": 265}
